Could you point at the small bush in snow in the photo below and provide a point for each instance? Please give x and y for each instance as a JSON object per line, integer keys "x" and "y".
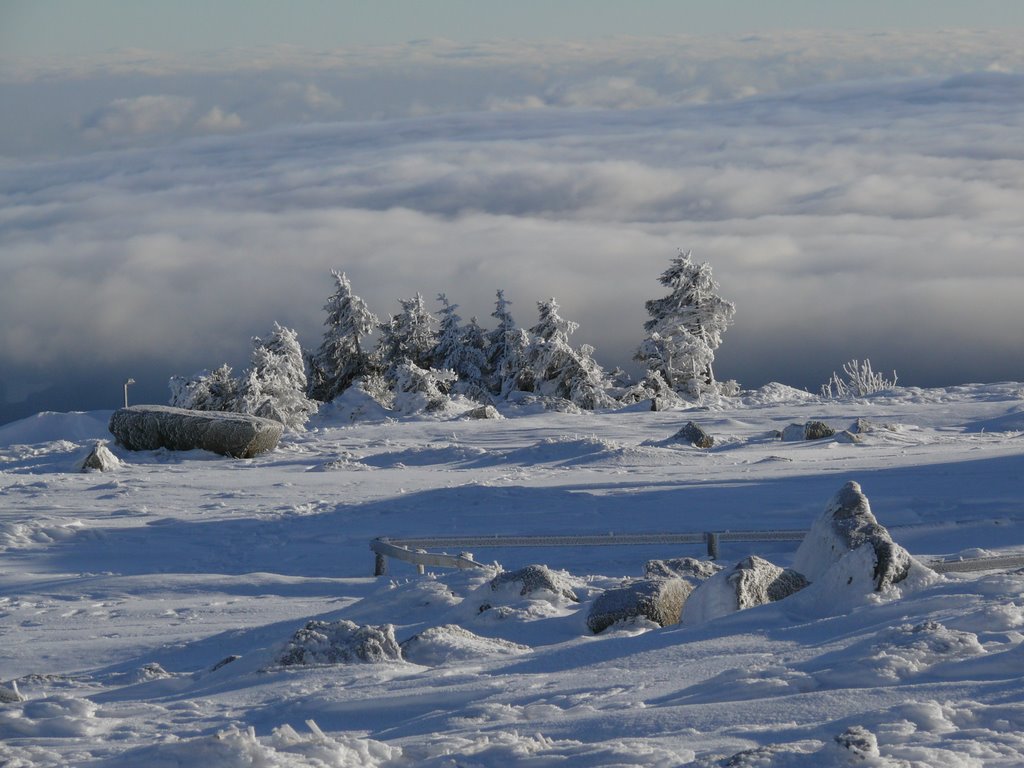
{"x": 860, "y": 381}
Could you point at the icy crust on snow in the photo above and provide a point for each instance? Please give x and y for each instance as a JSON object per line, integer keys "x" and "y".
{"x": 151, "y": 427}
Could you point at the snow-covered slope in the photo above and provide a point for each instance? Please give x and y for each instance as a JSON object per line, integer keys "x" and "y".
{"x": 144, "y": 611}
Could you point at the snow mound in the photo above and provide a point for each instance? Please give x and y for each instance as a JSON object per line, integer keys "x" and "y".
{"x": 451, "y": 643}
{"x": 49, "y": 426}
{"x": 15, "y": 535}
{"x": 751, "y": 582}
{"x": 341, "y": 642}
{"x": 775, "y": 393}
{"x": 52, "y": 717}
{"x": 284, "y": 748}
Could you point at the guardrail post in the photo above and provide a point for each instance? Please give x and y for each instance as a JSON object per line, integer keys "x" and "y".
{"x": 380, "y": 565}
{"x": 712, "y": 540}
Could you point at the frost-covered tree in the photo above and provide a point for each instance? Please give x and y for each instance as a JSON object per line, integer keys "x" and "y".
{"x": 274, "y": 386}
{"x": 685, "y": 328}
{"x": 506, "y": 349}
{"x": 341, "y": 357}
{"x": 421, "y": 389}
{"x": 206, "y": 391}
{"x": 460, "y": 348}
{"x": 407, "y": 336}
{"x": 558, "y": 370}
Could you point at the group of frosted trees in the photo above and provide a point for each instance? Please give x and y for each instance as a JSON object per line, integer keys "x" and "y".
{"x": 420, "y": 359}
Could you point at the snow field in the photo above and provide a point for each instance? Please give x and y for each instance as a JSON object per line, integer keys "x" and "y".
{"x": 125, "y": 595}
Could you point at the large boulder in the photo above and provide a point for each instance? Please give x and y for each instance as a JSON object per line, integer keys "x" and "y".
{"x": 752, "y": 581}
{"x": 659, "y": 600}
{"x": 809, "y": 430}
{"x": 340, "y": 642}
{"x": 149, "y": 427}
{"x": 848, "y": 537}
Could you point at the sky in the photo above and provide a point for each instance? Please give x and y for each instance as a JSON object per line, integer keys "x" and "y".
{"x": 176, "y": 177}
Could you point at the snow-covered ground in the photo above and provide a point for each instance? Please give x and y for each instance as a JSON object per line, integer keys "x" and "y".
{"x": 123, "y": 594}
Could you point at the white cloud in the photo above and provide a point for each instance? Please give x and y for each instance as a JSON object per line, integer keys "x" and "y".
{"x": 139, "y": 116}
{"x": 872, "y": 219}
{"x": 217, "y": 120}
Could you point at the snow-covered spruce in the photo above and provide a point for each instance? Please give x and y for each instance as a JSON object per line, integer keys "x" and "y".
{"x": 506, "y": 349}
{"x": 685, "y": 329}
{"x": 408, "y": 337}
{"x": 215, "y": 390}
{"x": 460, "y": 348}
{"x": 151, "y": 427}
{"x": 274, "y": 386}
{"x": 752, "y": 581}
{"x": 340, "y": 642}
{"x": 554, "y": 369}
{"x": 657, "y": 600}
{"x": 341, "y": 359}
{"x": 847, "y": 537}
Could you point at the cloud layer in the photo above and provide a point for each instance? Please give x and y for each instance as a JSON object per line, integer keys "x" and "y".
{"x": 874, "y": 218}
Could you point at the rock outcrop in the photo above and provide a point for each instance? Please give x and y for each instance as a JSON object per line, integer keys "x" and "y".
{"x": 695, "y": 435}
{"x": 810, "y": 430}
{"x": 690, "y": 569}
{"x": 150, "y": 427}
{"x": 845, "y": 528}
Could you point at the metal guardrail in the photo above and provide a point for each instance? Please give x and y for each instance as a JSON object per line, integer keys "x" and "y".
{"x": 413, "y": 550}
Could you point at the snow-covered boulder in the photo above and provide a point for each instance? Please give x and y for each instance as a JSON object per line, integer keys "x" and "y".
{"x": 451, "y": 643}
{"x": 695, "y": 435}
{"x": 849, "y": 545}
{"x": 149, "y": 427}
{"x": 752, "y": 581}
{"x": 483, "y": 412}
{"x": 810, "y": 430}
{"x": 534, "y": 578}
{"x": 99, "y": 458}
{"x": 659, "y": 600}
{"x": 688, "y": 568}
{"x": 341, "y": 642}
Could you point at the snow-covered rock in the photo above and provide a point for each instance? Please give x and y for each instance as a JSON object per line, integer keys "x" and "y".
{"x": 483, "y": 412}
{"x": 149, "y": 427}
{"x": 98, "y": 458}
{"x": 695, "y": 435}
{"x": 659, "y": 600}
{"x": 341, "y": 642}
{"x": 691, "y": 569}
{"x": 849, "y": 545}
{"x": 451, "y": 643}
{"x": 534, "y": 578}
{"x": 809, "y": 430}
{"x": 752, "y": 581}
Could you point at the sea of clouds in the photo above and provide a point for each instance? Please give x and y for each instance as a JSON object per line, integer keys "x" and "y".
{"x": 857, "y": 195}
